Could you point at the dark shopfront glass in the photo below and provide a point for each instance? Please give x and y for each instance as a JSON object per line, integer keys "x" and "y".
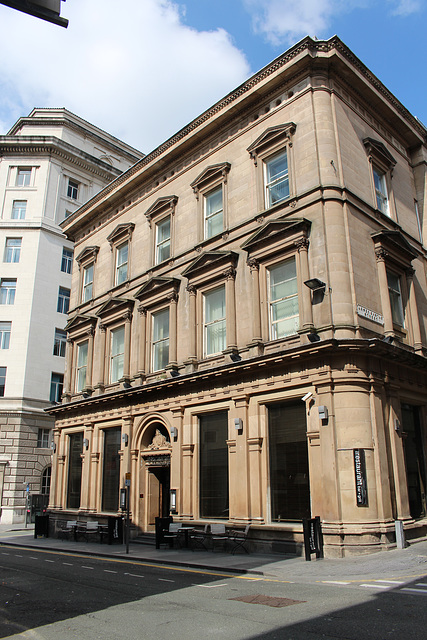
{"x": 289, "y": 479}
{"x": 74, "y": 470}
{"x": 214, "y": 466}
{"x": 111, "y": 470}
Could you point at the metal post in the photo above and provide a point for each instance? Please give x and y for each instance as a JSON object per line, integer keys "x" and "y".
{"x": 127, "y": 518}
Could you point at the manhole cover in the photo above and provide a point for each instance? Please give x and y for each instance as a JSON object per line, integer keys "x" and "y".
{"x": 269, "y": 601}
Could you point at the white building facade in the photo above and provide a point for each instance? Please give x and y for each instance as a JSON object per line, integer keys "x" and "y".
{"x": 51, "y": 162}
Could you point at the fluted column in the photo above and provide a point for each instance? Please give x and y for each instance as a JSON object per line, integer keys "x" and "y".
{"x": 230, "y": 306}
{"x": 381, "y": 255}
{"x": 413, "y": 310}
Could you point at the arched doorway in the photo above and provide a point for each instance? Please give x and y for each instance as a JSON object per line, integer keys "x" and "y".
{"x": 154, "y": 481}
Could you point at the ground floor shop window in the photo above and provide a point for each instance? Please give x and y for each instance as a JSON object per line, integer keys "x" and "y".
{"x": 111, "y": 470}
{"x": 214, "y": 465}
{"x": 74, "y": 470}
{"x": 289, "y": 477}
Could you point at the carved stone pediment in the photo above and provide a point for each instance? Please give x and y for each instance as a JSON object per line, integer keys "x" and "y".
{"x": 80, "y": 322}
{"x": 379, "y": 152}
{"x": 210, "y": 174}
{"x": 276, "y": 235}
{"x": 165, "y": 203}
{"x": 210, "y": 261}
{"x": 270, "y": 137}
{"x": 159, "y": 441}
{"x": 87, "y": 255}
{"x": 115, "y": 306}
{"x": 157, "y": 287}
{"x": 121, "y": 232}
{"x": 395, "y": 245}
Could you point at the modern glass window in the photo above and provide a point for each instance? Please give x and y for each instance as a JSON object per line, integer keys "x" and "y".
{"x": 111, "y": 470}
{"x": 2, "y": 380}
{"x": 122, "y": 263}
{"x": 381, "y": 191}
{"x": 63, "y": 300}
{"x": 56, "y": 386}
{"x": 214, "y": 321}
{"x": 23, "y": 177}
{"x": 60, "y": 343}
{"x": 87, "y": 287}
{"x": 73, "y": 189}
{"x": 283, "y": 299}
{"x": 276, "y": 179}
{"x": 5, "y": 329}
{"x": 19, "y": 209}
{"x": 7, "y": 291}
{"x": 163, "y": 240}
{"x": 43, "y": 438}
{"x": 67, "y": 260}
{"x": 117, "y": 354}
{"x": 160, "y": 350}
{"x": 12, "y": 250}
{"x": 214, "y": 223}
{"x": 45, "y": 483}
{"x": 74, "y": 485}
{"x": 214, "y": 494}
{"x": 395, "y": 294}
{"x": 289, "y": 472}
{"x": 82, "y": 353}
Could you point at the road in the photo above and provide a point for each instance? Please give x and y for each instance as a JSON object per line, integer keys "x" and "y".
{"x": 47, "y": 595}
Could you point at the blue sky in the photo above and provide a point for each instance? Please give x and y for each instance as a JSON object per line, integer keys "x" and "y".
{"x": 142, "y": 69}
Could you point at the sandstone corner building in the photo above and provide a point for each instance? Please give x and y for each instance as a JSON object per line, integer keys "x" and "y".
{"x": 247, "y": 329}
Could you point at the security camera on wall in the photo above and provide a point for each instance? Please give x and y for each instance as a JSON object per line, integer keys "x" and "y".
{"x": 307, "y": 396}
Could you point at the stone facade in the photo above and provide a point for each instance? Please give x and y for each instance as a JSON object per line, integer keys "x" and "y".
{"x": 51, "y": 162}
{"x": 254, "y": 292}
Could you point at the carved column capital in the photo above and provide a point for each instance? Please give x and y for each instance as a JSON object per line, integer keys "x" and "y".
{"x": 381, "y": 254}
{"x": 253, "y": 264}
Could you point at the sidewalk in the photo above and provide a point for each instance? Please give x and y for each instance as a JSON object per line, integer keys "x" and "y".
{"x": 397, "y": 563}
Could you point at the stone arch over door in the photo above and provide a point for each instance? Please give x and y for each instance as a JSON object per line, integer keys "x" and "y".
{"x": 153, "y": 471}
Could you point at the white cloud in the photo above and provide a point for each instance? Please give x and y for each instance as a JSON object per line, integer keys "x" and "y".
{"x": 134, "y": 69}
{"x": 289, "y": 20}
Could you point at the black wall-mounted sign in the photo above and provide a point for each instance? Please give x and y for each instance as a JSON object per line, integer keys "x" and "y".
{"x": 360, "y": 476}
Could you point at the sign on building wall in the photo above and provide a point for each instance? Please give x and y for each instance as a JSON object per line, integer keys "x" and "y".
{"x": 360, "y": 475}
{"x": 370, "y": 315}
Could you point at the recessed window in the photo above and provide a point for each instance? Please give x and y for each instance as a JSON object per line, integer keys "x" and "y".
{"x": 19, "y": 209}
{"x": 160, "y": 352}
{"x": 214, "y": 321}
{"x": 87, "y": 286}
{"x": 23, "y": 177}
{"x": 117, "y": 354}
{"x": 2, "y": 380}
{"x": 381, "y": 190}
{"x": 5, "y": 329}
{"x": 111, "y": 469}
{"x": 122, "y": 263}
{"x": 214, "y": 487}
{"x": 276, "y": 179}
{"x": 56, "y": 386}
{"x": 45, "y": 484}
{"x": 163, "y": 240}
{"x": 12, "y": 250}
{"x": 7, "y": 291}
{"x": 283, "y": 299}
{"x": 67, "y": 260}
{"x": 73, "y": 189}
{"x": 74, "y": 470}
{"x": 395, "y": 294}
{"x": 60, "y": 343}
{"x": 214, "y": 212}
{"x": 43, "y": 438}
{"x": 81, "y": 369}
{"x": 63, "y": 300}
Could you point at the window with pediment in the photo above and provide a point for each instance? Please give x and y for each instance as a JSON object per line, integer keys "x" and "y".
{"x": 211, "y": 190}
{"x": 382, "y": 165}
{"x": 212, "y": 304}
{"x": 273, "y": 160}
{"x": 278, "y": 259}
{"x": 86, "y": 261}
{"x": 158, "y": 299}
{"x": 161, "y": 217}
{"x": 115, "y": 326}
{"x": 80, "y": 330}
{"x": 120, "y": 243}
{"x": 396, "y": 277}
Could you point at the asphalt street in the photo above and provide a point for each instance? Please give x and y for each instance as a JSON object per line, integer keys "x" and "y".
{"x": 46, "y": 594}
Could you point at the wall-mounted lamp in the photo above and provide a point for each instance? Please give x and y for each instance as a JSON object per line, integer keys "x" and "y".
{"x": 85, "y": 444}
{"x": 388, "y": 339}
{"x": 125, "y": 439}
{"x": 238, "y": 424}
{"x": 307, "y": 396}
{"x": 53, "y": 447}
{"x": 174, "y": 433}
{"x": 397, "y": 425}
{"x": 172, "y": 506}
{"x": 315, "y": 284}
{"x": 313, "y": 337}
